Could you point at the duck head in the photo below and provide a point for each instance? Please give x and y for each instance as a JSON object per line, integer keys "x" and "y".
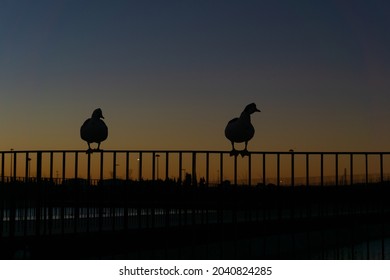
{"x": 251, "y": 108}
{"x": 97, "y": 114}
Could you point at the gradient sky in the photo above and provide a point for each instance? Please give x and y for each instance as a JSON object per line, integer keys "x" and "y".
{"x": 171, "y": 74}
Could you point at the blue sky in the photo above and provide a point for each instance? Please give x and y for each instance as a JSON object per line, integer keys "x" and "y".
{"x": 171, "y": 74}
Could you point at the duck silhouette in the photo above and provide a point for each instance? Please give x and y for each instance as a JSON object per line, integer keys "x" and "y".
{"x": 240, "y": 129}
{"x": 94, "y": 130}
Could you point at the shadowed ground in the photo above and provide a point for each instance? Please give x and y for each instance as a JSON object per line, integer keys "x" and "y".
{"x": 152, "y": 220}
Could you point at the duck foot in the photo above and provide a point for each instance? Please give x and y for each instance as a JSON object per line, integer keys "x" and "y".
{"x": 234, "y": 152}
{"x": 244, "y": 153}
{"x": 91, "y": 151}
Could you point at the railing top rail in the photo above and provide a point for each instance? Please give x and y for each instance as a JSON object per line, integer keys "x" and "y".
{"x": 201, "y": 151}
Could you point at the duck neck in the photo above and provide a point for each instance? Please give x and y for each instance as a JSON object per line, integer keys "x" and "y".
{"x": 245, "y": 117}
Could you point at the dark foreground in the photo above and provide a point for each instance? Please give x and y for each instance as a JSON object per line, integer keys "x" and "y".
{"x": 160, "y": 220}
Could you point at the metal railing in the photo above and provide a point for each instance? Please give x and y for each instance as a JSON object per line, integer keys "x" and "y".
{"x": 39, "y": 209}
{"x": 209, "y": 168}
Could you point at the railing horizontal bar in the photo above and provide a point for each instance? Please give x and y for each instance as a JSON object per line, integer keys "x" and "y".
{"x": 197, "y": 151}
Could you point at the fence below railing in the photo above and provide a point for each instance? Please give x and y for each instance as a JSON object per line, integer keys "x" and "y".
{"x": 208, "y": 168}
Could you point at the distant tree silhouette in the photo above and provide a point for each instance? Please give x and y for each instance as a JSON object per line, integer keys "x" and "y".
{"x": 187, "y": 180}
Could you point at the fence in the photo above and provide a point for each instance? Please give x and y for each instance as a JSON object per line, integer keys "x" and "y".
{"x": 198, "y": 167}
{"x": 51, "y": 195}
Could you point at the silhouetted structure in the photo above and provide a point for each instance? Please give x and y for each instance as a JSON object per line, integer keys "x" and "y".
{"x": 164, "y": 219}
{"x": 240, "y": 129}
{"x": 182, "y": 217}
{"x": 94, "y": 130}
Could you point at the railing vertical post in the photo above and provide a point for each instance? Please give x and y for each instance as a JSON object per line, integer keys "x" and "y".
{"x": 140, "y": 166}
{"x": 250, "y": 170}
{"x": 127, "y": 166}
{"x": 51, "y": 166}
{"x": 153, "y": 166}
{"x": 235, "y": 170}
{"x": 207, "y": 168}
{"x": 11, "y": 166}
{"x": 194, "y": 179}
{"x": 2, "y": 200}
{"x": 39, "y": 166}
{"x": 322, "y": 169}
{"x": 101, "y": 166}
{"x": 307, "y": 169}
{"x": 49, "y": 201}
{"x": 14, "y": 167}
{"x": 166, "y": 166}
{"x": 366, "y": 166}
{"x": 180, "y": 167}
{"x": 89, "y": 169}
{"x": 63, "y": 166}
{"x": 381, "y": 166}
{"x": 27, "y": 167}
{"x": 278, "y": 169}
{"x": 2, "y": 170}
{"x": 76, "y": 165}
{"x": 158, "y": 166}
{"x": 39, "y": 202}
{"x": 292, "y": 169}
{"x": 337, "y": 168}
{"x": 351, "y": 166}
{"x": 221, "y": 168}
{"x": 264, "y": 179}
{"x": 114, "y": 166}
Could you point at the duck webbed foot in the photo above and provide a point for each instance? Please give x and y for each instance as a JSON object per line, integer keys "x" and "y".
{"x": 244, "y": 153}
{"x": 98, "y": 148}
{"x": 89, "y": 151}
{"x": 234, "y": 152}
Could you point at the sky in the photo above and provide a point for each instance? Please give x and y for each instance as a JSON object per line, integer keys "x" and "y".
{"x": 171, "y": 74}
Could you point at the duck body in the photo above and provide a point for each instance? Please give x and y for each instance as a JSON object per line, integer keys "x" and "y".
{"x": 94, "y": 130}
{"x": 239, "y": 130}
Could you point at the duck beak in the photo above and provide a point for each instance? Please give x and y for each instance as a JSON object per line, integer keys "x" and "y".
{"x": 257, "y": 110}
